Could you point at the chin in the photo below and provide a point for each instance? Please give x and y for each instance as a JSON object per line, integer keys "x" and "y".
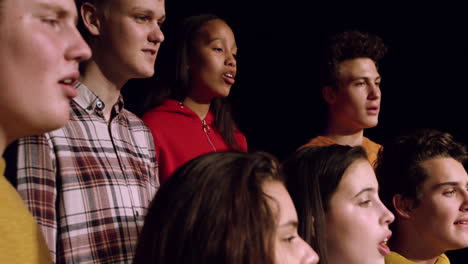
{"x": 370, "y": 123}
{"x": 143, "y": 75}
{"x": 54, "y": 121}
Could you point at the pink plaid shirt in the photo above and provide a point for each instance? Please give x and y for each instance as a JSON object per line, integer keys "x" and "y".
{"x": 90, "y": 183}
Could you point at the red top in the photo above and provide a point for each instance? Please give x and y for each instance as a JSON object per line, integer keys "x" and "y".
{"x": 180, "y": 135}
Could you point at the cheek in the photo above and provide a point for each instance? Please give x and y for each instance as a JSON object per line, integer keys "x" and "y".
{"x": 442, "y": 210}
{"x": 346, "y": 228}
{"x": 357, "y": 100}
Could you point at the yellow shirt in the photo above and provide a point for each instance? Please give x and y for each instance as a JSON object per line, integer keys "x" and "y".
{"x": 395, "y": 258}
{"x": 372, "y": 148}
{"x": 21, "y": 240}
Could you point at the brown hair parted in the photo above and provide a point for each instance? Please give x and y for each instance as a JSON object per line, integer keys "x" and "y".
{"x": 213, "y": 210}
{"x": 398, "y": 165}
{"x": 351, "y": 45}
{"x": 312, "y": 177}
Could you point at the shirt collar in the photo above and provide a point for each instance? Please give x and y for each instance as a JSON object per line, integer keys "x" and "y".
{"x": 89, "y": 101}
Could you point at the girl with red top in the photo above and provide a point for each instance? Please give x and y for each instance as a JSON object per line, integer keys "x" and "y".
{"x": 196, "y": 119}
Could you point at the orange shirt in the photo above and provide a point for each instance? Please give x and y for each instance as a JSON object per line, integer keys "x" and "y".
{"x": 371, "y": 147}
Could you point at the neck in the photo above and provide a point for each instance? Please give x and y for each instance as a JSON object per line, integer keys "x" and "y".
{"x": 4, "y": 140}
{"x": 105, "y": 87}
{"x": 414, "y": 247}
{"x": 200, "y": 108}
{"x": 3, "y": 144}
{"x": 342, "y": 134}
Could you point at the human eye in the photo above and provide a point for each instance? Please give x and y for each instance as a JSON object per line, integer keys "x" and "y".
{"x": 360, "y": 83}
{"x": 161, "y": 21}
{"x": 51, "y": 21}
{"x": 142, "y": 18}
{"x": 449, "y": 193}
{"x": 289, "y": 239}
{"x": 218, "y": 49}
{"x": 365, "y": 203}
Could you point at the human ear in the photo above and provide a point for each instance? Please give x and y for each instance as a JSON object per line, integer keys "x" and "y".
{"x": 403, "y": 206}
{"x": 90, "y": 18}
{"x": 329, "y": 94}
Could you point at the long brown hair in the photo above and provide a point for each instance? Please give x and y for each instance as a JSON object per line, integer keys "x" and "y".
{"x": 312, "y": 177}
{"x": 213, "y": 210}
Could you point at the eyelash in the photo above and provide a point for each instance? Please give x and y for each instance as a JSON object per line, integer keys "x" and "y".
{"x": 449, "y": 193}
{"x": 365, "y": 203}
{"x": 142, "y": 18}
{"x": 51, "y": 21}
{"x": 289, "y": 239}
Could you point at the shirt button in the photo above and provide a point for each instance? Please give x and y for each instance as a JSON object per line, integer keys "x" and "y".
{"x": 99, "y": 104}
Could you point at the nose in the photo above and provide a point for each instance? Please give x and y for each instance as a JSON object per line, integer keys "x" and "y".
{"x": 156, "y": 35}
{"x": 310, "y": 256}
{"x": 374, "y": 91}
{"x": 231, "y": 60}
{"x": 464, "y": 205}
{"x": 387, "y": 217}
{"x": 77, "y": 49}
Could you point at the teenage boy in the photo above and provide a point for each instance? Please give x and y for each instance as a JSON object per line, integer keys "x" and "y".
{"x": 90, "y": 183}
{"x": 423, "y": 181}
{"x": 352, "y": 91}
{"x": 40, "y": 49}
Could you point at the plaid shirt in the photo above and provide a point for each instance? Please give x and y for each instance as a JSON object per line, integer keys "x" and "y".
{"x": 90, "y": 183}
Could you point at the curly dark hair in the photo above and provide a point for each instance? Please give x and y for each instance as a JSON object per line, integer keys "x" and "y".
{"x": 350, "y": 45}
{"x": 398, "y": 165}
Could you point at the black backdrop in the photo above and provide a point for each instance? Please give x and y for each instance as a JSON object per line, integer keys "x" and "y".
{"x": 276, "y": 96}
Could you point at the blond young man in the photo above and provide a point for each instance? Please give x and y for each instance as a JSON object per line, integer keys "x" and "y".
{"x": 40, "y": 49}
{"x": 90, "y": 183}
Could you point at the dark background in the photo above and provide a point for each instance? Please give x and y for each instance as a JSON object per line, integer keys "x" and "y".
{"x": 277, "y": 94}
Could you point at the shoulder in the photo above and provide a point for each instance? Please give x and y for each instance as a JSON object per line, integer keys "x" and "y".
{"x": 367, "y": 143}
{"x": 318, "y": 141}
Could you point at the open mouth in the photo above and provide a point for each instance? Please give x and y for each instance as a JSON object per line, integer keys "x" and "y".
{"x": 461, "y": 222}
{"x": 372, "y": 110}
{"x": 383, "y": 248}
{"x": 229, "y": 78}
{"x": 68, "y": 81}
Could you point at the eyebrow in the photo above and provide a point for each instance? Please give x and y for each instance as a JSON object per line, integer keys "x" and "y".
{"x": 442, "y": 184}
{"x": 62, "y": 12}
{"x": 221, "y": 39}
{"x": 370, "y": 189}
{"x": 147, "y": 12}
{"x": 292, "y": 223}
{"x": 367, "y": 78}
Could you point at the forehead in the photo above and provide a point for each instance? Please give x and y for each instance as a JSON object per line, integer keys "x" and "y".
{"x": 357, "y": 177}
{"x": 27, "y": 6}
{"x": 281, "y": 202}
{"x": 157, "y": 6}
{"x": 216, "y": 29}
{"x": 357, "y": 68}
{"x": 443, "y": 169}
